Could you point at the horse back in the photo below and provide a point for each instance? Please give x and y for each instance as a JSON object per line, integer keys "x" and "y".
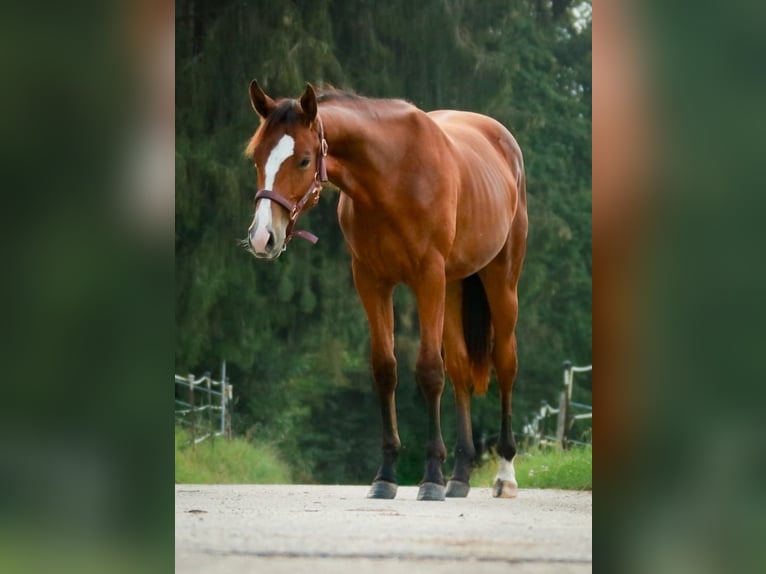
{"x": 484, "y": 136}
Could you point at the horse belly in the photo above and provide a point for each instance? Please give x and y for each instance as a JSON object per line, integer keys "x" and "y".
{"x": 487, "y": 195}
{"x": 466, "y": 260}
{"x": 483, "y": 225}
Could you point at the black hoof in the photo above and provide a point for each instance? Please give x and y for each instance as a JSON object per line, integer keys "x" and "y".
{"x": 431, "y": 491}
{"x": 457, "y": 489}
{"x": 382, "y": 489}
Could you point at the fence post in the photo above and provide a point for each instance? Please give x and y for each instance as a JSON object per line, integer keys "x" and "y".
{"x": 229, "y": 399}
{"x": 223, "y": 397}
{"x": 192, "y": 416}
{"x": 562, "y": 422}
{"x": 209, "y": 423}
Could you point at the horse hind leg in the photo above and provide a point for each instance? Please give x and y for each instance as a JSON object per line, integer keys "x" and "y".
{"x": 503, "y": 301}
{"x": 457, "y": 365}
{"x": 505, "y": 485}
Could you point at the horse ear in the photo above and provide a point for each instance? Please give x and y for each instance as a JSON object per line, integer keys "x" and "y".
{"x": 309, "y": 103}
{"x": 261, "y": 103}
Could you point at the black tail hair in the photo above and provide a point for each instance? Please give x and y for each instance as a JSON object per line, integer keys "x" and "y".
{"x": 477, "y": 331}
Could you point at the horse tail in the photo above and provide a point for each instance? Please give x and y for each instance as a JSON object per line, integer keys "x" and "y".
{"x": 477, "y": 331}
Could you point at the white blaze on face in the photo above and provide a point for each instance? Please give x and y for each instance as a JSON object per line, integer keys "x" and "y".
{"x": 284, "y": 149}
{"x": 262, "y": 221}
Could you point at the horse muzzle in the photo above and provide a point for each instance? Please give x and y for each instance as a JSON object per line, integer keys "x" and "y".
{"x": 265, "y": 243}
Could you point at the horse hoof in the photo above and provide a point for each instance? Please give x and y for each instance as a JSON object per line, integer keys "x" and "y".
{"x": 505, "y": 489}
{"x": 382, "y": 489}
{"x": 457, "y": 489}
{"x": 431, "y": 491}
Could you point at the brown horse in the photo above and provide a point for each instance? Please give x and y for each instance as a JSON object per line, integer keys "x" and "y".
{"x": 436, "y": 201}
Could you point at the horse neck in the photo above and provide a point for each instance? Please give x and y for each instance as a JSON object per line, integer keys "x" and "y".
{"x": 359, "y": 153}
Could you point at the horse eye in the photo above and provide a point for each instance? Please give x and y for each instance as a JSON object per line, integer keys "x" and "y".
{"x": 305, "y": 162}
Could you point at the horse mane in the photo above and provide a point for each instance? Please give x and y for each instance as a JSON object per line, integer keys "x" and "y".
{"x": 329, "y": 93}
{"x": 378, "y": 108}
{"x": 286, "y": 110}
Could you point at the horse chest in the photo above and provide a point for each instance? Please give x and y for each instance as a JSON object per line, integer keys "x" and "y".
{"x": 380, "y": 244}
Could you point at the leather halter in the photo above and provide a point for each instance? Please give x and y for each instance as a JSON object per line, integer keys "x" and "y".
{"x": 309, "y": 199}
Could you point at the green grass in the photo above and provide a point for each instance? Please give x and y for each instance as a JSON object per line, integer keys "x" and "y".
{"x": 550, "y": 468}
{"x": 220, "y": 461}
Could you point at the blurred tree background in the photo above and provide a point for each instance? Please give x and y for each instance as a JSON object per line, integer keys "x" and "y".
{"x": 293, "y": 331}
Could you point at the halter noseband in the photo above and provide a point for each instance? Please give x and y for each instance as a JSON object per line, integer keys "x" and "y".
{"x": 309, "y": 199}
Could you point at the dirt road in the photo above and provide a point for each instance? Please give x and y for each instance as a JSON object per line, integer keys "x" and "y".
{"x": 335, "y": 529}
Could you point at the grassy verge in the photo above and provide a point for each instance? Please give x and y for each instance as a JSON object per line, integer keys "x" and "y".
{"x": 219, "y": 461}
{"x": 550, "y": 468}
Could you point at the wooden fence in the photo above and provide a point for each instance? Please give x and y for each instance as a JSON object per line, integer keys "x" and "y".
{"x": 203, "y": 405}
{"x": 567, "y": 413}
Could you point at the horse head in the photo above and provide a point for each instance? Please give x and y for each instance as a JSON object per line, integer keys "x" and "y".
{"x": 288, "y": 151}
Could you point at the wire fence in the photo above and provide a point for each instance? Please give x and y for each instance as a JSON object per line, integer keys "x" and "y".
{"x": 203, "y": 405}
{"x": 567, "y": 414}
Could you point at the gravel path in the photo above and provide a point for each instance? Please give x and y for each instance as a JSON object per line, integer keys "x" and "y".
{"x": 335, "y": 529}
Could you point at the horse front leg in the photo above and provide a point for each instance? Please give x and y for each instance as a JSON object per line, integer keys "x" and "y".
{"x": 384, "y": 484}
{"x": 429, "y": 374}
{"x": 377, "y": 299}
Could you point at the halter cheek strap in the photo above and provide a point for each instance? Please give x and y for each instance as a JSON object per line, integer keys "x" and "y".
{"x": 309, "y": 199}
